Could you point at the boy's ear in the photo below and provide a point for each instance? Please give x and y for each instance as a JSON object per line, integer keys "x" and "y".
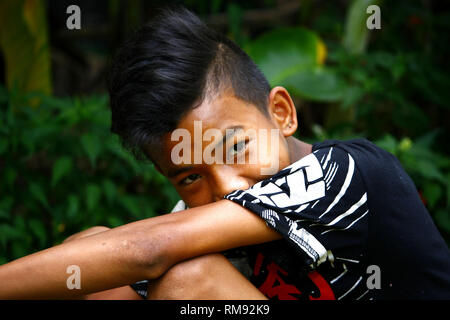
{"x": 283, "y": 111}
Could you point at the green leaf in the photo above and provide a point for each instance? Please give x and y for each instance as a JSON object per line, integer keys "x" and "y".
{"x": 19, "y": 249}
{"x": 8, "y": 233}
{"x": 3, "y": 146}
{"x": 113, "y": 145}
{"x": 427, "y": 140}
{"x": 317, "y": 84}
{"x": 429, "y": 170}
{"x": 351, "y": 95}
{"x": 6, "y": 202}
{"x": 432, "y": 193}
{"x": 442, "y": 218}
{"x": 215, "y": 6}
{"x": 293, "y": 57}
{"x": 447, "y": 178}
{"x": 73, "y": 206}
{"x": 114, "y": 221}
{"x": 38, "y": 228}
{"x": 10, "y": 176}
{"x": 4, "y": 214}
{"x": 3, "y": 260}
{"x": 38, "y": 194}
{"x": 110, "y": 190}
{"x": 4, "y": 95}
{"x": 61, "y": 168}
{"x": 5, "y": 207}
{"x": 388, "y": 143}
{"x": 131, "y": 205}
{"x": 281, "y": 50}
{"x": 92, "y": 146}
{"x": 93, "y": 193}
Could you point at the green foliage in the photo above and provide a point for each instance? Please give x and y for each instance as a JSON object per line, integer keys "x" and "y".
{"x": 293, "y": 58}
{"x": 394, "y": 88}
{"x": 62, "y": 171}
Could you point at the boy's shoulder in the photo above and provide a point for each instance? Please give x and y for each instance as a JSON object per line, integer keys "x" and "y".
{"x": 376, "y": 166}
{"x": 392, "y": 196}
{"x": 361, "y": 149}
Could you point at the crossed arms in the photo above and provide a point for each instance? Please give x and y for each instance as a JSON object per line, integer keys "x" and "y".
{"x": 140, "y": 250}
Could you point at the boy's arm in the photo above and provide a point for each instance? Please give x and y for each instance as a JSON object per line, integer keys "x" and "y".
{"x": 140, "y": 250}
{"x": 120, "y": 293}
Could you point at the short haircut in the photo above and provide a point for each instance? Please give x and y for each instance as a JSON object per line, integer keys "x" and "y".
{"x": 168, "y": 67}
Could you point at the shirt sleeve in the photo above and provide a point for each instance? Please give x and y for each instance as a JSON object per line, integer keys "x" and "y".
{"x": 318, "y": 204}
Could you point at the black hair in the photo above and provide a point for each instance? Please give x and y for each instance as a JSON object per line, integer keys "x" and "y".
{"x": 168, "y": 67}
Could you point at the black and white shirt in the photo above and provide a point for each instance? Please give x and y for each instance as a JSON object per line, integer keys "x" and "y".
{"x": 319, "y": 205}
{"x": 348, "y": 213}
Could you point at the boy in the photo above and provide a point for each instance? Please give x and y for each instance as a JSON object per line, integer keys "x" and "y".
{"x": 340, "y": 220}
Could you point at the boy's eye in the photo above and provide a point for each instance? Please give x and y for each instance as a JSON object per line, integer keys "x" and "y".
{"x": 237, "y": 148}
{"x": 190, "y": 179}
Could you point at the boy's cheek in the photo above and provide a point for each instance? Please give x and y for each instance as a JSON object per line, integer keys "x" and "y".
{"x": 196, "y": 198}
{"x": 267, "y": 165}
{"x": 271, "y": 155}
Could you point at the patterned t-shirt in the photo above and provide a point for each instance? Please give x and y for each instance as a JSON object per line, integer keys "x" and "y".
{"x": 353, "y": 228}
{"x": 319, "y": 205}
{"x": 355, "y": 225}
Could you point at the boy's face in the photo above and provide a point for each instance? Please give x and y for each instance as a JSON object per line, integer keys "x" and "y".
{"x": 227, "y": 144}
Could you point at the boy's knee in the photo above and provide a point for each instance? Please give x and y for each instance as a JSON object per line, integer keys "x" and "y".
{"x": 188, "y": 279}
{"x": 196, "y": 269}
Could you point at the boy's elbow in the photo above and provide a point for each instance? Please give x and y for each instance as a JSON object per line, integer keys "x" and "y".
{"x": 152, "y": 250}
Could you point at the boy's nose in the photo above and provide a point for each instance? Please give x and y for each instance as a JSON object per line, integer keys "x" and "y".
{"x": 226, "y": 182}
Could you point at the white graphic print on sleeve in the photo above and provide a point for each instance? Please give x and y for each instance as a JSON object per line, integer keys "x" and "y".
{"x": 307, "y": 242}
{"x": 304, "y": 183}
{"x": 309, "y": 199}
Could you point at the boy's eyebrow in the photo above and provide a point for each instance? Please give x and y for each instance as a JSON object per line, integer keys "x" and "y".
{"x": 176, "y": 171}
{"x": 229, "y": 132}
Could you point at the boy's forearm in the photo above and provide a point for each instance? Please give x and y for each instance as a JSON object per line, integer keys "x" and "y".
{"x": 106, "y": 260}
{"x": 141, "y": 250}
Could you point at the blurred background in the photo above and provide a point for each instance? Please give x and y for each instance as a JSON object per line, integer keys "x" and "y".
{"x": 62, "y": 171}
